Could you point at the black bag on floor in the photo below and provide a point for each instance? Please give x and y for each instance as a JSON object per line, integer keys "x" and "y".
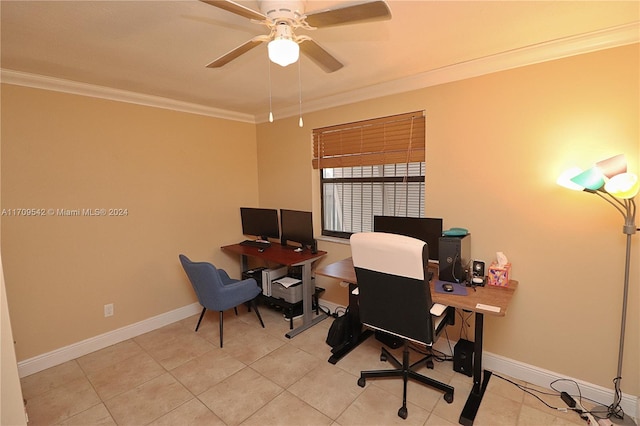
{"x": 339, "y": 331}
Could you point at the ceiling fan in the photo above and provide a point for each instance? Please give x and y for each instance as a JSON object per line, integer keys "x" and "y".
{"x": 283, "y": 17}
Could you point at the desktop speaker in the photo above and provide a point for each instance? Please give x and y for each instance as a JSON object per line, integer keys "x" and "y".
{"x": 478, "y": 268}
{"x": 463, "y": 357}
{"x": 453, "y": 256}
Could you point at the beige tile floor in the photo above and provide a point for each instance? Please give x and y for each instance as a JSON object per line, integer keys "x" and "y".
{"x": 175, "y": 376}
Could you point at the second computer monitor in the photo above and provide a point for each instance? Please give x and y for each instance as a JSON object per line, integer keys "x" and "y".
{"x": 427, "y": 229}
{"x": 297, "y": 227}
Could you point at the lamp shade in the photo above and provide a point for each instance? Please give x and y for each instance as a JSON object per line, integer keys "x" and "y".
{"x": 591, "y": 179}
{"x": 624, "y": 185}
{"x": 283, "y": 51}
{"x": 613, "y": 166}
{"x": 564, "y": 179}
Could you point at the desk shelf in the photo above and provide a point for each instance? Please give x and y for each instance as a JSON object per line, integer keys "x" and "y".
{"x": 291, "y": 310}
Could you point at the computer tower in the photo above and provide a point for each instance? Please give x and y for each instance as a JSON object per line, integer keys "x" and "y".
{"x": 255, "y": 273}
{"x": 454, "y": 257}
{"x": 264, "y": 277}
{"x": 269, "y": 275}
{"x": 463, "y": 357}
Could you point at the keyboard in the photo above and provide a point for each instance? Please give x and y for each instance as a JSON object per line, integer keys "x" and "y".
{"x": 256, "y": 243}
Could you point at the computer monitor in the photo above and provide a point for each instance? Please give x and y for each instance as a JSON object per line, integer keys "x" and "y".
{"x": 261, "y": 223}
{"x": 427, "y": 229}
{"x": 297, "y": 226}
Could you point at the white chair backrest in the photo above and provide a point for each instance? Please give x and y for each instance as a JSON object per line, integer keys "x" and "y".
{"x": 389, "y": 253}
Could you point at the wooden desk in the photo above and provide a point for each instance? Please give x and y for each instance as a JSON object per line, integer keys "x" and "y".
{"x": 488, "y": 295}
{"x": 285, "y": 255}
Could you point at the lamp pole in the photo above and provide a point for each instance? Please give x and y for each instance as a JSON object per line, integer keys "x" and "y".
{"x": 614, "y": 412}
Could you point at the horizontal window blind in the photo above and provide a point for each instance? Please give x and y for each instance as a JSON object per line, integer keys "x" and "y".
{"x": 385, "y": 140}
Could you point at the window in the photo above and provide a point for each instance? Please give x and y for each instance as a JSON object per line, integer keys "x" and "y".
{"x": 370, "y": 168}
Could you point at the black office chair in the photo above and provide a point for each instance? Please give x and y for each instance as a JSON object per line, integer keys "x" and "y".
{"x": 395, "y": 298}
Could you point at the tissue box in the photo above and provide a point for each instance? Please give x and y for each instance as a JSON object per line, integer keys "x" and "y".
{"x": 499, "y": 275}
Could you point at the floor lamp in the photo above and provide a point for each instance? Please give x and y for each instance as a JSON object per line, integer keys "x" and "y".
{"x": 609, "y": 180}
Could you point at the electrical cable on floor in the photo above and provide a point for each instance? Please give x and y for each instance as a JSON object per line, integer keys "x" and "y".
{"x": 437, "y": 355}
{"x": 617, "y": 412}
{"x": 615, "y": 409}
{"x": 338, "y": 310}
{"x": 325, "y": 309}
{"x": 532, "y": 392}
{"x": 589, "y": 416}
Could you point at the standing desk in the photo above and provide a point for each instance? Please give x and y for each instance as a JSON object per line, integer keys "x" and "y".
{"x": 488, "y": 295}
{"x": 285, "y": 255}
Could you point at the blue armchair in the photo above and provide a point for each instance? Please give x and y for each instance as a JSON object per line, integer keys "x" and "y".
{"x": 217, "y": 291}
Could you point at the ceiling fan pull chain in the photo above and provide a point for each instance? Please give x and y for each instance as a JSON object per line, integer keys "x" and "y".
{"x": 300, "y": 122}
{"x": 270, "y": 105}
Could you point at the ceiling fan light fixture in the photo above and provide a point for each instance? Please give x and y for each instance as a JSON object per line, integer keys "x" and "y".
{"x": 283, "y": 50}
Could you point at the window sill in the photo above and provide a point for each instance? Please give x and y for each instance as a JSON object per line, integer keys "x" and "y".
{"x": 335, "y": 240}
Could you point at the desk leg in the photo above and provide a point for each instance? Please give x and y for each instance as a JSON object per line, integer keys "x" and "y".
{"x": 470, "y": 409}
{"x": 308, "y": 290}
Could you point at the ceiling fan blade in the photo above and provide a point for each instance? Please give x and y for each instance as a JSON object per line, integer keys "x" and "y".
{"x": 320, "y": 56}
{"x": 236, "y": 8}
{"x": 370, "y": 11}
{"x": 228, "y": 57}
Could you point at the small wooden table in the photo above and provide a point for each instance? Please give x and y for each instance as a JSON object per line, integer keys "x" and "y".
{"x": 474, "y": 301}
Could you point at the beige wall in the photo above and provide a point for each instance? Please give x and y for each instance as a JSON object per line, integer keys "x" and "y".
{"x": 182, "y": 178}
{"x": 495, "y": 145}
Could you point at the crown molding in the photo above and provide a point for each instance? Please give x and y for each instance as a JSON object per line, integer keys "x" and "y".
{"x": 36, "y": 81}
{"x": 542, "y": 52}
{"x": 556, "y": 49}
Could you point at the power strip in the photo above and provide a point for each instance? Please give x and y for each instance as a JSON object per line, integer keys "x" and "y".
{"x": 584, "y": 414}
{"x": 568, "y": 399}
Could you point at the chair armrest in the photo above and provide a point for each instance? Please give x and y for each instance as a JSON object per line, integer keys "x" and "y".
{"x": 238, "y": 292}
{"x": 437, "y": 309}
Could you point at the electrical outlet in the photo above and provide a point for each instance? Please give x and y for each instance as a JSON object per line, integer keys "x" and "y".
{"x": 108, "y": 310}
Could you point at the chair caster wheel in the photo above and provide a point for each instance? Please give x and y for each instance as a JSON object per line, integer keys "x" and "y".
{"x": 430, "y": 364}
{"x": 383, "y": 357}
{"x": 362, "y": 381}
{"x": 402, "y": 412}
{"x": 448, "y": 397}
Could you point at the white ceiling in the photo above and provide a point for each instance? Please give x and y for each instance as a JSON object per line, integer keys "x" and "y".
{"x": 159, "y": 49}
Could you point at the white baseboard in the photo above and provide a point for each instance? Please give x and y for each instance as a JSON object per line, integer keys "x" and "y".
{"x": 73, "y": 351}
{"x": 499, "y": 364}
